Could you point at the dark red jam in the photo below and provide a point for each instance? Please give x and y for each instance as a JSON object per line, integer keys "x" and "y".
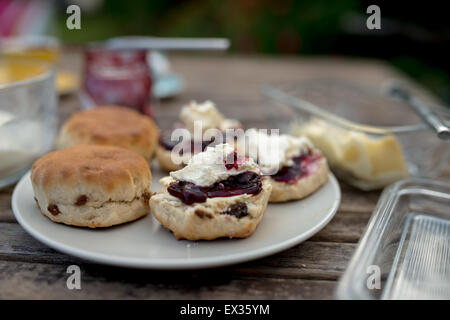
{"x": 303, "y": 166}
{"x": 118, "y": 77}
{"x": 245, "y": 183}
{"x": 168, "y": 144}
{"x": 233, "y": 160}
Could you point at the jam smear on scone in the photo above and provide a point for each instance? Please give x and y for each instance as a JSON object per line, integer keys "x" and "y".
{"x": 189, "y": 193}
{"x": 303, "y": 166}
{"x": 233, "y": 161}
{"x": 168, "y": 144}
{"x": 196, "y": 119}
{"x": 217, "y": 172}
{"x": 285, "y": 158}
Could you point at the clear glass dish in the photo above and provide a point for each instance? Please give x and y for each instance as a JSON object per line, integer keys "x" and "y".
{"x": 28, "y": 114}
{"x": 370, "y": 140}
{"x": 32, "y": 46}
{"x": 405, "y": 247}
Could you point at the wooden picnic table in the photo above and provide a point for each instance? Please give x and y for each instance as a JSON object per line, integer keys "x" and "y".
{"x": 31, "y": 270}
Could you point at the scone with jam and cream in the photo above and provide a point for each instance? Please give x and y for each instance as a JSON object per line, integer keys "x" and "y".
{"x": 295, "y": 167}
{"x": 218, "y": 194}
{"x": 205, "y": 113}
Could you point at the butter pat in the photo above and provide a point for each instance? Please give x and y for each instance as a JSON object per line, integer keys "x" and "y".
{"x": 208, "y": 167}
{"x": 364, "y": 161}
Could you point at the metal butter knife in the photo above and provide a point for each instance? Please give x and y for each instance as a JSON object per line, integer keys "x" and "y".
{"x": 397, "y": 91}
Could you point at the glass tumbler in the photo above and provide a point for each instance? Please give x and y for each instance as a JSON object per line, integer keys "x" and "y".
{"x": 28, "y": 115}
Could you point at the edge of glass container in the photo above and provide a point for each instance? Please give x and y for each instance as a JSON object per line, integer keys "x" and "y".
{"x": 371, "y": 236}
{"x": 280, "y": 96}
{"x": 49, "y": 72}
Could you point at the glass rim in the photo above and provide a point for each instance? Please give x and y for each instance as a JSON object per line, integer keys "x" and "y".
{"x": 365, "y": 251}
{"x": 300, "y": 104}
{"x": 29, "y": 41}
{"x": 48, "y": 73}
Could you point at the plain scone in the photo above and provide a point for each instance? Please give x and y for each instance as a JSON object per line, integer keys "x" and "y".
{"x": 110, "y": 125}
{"x": 208, "y": 220}
{"x": 92, "y": 185}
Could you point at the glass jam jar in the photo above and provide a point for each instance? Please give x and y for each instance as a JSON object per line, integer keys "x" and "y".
{"x": 117, "y": 77}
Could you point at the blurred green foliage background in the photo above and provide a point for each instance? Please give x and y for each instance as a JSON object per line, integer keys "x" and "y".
{"x": 414, "y": 38}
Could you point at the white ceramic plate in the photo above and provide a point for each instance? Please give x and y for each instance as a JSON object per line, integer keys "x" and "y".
{"x": 146, "y": 244}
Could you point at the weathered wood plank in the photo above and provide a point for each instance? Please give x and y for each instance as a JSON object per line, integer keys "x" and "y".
{"x": 346, "y": 227}
{"x": 357, "y": 201}
{"x": 23, "y": 280}
{"x": 6, "y": 214}
{"x": 242, "y": 76}
{"x": 16, "y": 244}
{"x": 29, "y": 269}
{"x": 309, "y": 260}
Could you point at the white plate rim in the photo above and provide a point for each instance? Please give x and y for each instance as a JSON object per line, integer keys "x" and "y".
{"x": 181, "y": 263}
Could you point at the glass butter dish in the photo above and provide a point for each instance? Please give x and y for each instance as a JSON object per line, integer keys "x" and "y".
{"x": 404, "y": 252}
{"x": 369, "y": 140}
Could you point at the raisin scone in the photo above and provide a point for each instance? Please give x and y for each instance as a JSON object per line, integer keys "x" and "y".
{"x": 92, "y": 185}
{"x": 218, "y": 194}
{"x": 209, "y": 117}
{"x": 295, "y": 168}
{"x": 113, "y": 126}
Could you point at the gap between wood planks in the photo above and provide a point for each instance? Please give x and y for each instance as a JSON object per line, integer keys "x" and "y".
{"x": 309, "y": 260}
{"x": 45, "y": 281}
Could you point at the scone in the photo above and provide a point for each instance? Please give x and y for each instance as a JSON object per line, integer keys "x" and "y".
{"x": 295, "y": 182}
{"x": 295, "y": 168}
{"x": 166, "y": 159}
{"x": 218, "y": 194}
{"x": 204, "y": 114}
{"x": 110, "y": 125}
{"x": 92, "y": 185}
